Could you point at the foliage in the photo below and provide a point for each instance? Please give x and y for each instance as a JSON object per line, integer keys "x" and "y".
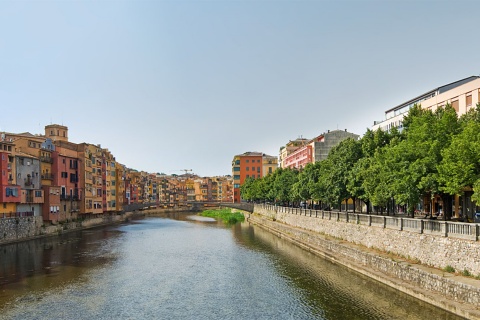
{"x": 466, "y": 273}
{"x": 436, "y": 153}
{"x": 449, "y": 268}
{"x": 227, "y": 215}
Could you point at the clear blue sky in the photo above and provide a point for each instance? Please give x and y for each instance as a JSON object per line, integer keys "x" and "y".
{"x": 171, "y": 85}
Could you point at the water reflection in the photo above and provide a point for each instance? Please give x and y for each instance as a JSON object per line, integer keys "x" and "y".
{"x": 49, "y": 262}
{"x": 332, "y": 291}
{"x": 172, "y": 266}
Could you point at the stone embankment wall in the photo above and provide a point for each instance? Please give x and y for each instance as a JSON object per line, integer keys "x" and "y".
{"x": 429, "y": 249}
{"x": 456, "y": 294}
{"x": 24, "y": 228}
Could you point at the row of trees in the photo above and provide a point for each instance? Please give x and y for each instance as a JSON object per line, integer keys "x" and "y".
{"x": 436, "y": 153}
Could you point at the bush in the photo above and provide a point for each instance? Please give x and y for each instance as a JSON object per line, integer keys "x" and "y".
{"x": 466, "y": 273}
{"x": 449, "y": 268}
{"x": 226, "y": 215}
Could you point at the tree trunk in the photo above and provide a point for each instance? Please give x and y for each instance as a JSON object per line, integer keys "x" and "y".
{"x": 447, "y": 206}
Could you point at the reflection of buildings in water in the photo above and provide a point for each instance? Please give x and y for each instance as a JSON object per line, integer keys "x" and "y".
{"x": 51, "y": 261}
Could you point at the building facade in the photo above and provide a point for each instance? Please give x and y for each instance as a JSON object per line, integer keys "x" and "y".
{"x": 462, "y": 95}
{"x": 316, "y": 149}
{"x": 249, "y": 165}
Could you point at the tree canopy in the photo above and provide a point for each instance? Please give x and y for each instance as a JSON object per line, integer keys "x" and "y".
{"x": 433, "y": 153}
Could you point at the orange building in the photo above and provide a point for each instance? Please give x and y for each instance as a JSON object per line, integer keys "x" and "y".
{"x": 247, "y": 165}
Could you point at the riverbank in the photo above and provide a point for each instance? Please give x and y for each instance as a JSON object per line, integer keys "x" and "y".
{"x": 457, "y": 294}
{"x": 27, "y": 228}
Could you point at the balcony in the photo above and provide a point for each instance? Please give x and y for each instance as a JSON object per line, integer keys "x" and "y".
{"x": 46, "y": 159}
{"x": 47, "y": 176}
{"x": 68, "y": 197}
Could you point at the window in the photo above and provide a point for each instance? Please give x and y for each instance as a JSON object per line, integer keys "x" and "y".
{"x": 248, "y": 168}
{"x": 38, "y": 194}
{"x": 64, "y": 174}
{"x": 248, "y": 176}
{"x": 455, "y": 105}
{"x": 13, "y": 192}
{"x": 469, "y": 100}
{"x": 247, "y": 161}
{"x": 269, "y": 169}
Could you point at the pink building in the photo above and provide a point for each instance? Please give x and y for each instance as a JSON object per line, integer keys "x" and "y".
{"x": 300, "y": 157}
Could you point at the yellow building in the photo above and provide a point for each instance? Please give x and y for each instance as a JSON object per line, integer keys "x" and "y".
{"x": 119, "y": 186}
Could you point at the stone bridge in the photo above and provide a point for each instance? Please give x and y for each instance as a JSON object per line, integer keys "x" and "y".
{"x": 191, "y": 205}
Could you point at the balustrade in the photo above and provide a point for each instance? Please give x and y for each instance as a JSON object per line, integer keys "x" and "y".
{"x": 470, "y": 231}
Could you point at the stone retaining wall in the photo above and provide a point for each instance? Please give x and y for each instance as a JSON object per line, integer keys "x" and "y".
{"x": 438, "y": 289}
{"x": 429, "y": 249}
{"x": 24, "y": 228}
{"x": 13, "y": 229}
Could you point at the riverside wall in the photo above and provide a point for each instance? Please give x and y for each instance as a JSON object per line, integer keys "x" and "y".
{"x": 350, "y": 244}
{"x": 25, "y": 228}
{"x": 431, "y": 249}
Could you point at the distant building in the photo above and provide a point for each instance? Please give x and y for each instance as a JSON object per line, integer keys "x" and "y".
{"x": 316, "y": 149}
{"x": 290, "y": 147}
{"x": 462, "y": 95}
{"x": 250, "y": 165}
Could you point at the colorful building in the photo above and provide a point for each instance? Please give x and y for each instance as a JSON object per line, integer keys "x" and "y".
{"x": 248, "y": 165}
{"x": 10, "y": 194}
{"x": 316, "y": 149}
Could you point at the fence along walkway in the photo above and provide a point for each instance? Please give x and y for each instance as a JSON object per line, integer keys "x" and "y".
{"x": 461, "y": 230}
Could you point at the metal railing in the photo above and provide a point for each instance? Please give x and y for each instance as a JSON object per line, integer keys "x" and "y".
{"x": 461, "y": 230}
{"x": 16, "y": 214}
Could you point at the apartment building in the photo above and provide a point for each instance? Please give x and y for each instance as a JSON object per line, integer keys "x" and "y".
{"x": 289, "y": 148}
{"x": 28, "y": 177}
{"x": 249, "y": 165}
{"x": 462, "y": 95}
{"x": 119, "y": 186}
{"x": 316, "y": 149}
{"x": 10, "y": 194}
{"x": 66, "y": 176}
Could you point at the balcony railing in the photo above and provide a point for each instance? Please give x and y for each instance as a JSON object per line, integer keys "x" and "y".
{"x": 47, "y": 176}
{"x": 16, "y": 214}
{"x": 46, "y": 159}
{"x": 67, "y": 197}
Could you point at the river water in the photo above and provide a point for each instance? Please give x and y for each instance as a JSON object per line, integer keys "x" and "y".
{"x": 180, "y": 266}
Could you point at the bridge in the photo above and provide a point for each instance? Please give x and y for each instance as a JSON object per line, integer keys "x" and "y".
{"x": 189, "y": 205}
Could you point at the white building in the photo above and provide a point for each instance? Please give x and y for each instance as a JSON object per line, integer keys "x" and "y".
{"x": 462, "y": 95}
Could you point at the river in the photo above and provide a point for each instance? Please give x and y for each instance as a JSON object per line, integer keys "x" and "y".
{"x": 180, "y": 266}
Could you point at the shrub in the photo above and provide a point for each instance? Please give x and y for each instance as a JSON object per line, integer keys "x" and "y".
{"x": 466, "y": 273}
{"x": 449, "y": 268}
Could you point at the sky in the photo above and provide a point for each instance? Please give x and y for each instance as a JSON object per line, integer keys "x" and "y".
{"x": 174, "y": 85}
